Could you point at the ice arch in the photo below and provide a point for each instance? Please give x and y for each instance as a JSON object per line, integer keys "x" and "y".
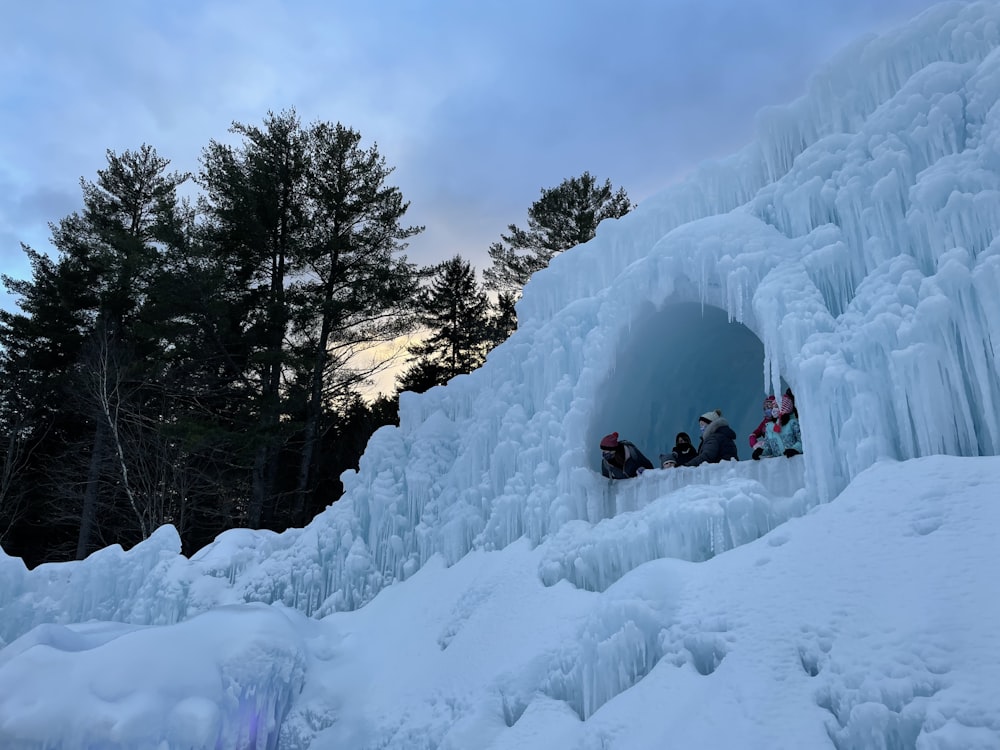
{"x": 675, "y": 363}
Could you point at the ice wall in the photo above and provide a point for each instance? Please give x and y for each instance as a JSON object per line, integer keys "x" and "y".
{"x": 856, "y": 238}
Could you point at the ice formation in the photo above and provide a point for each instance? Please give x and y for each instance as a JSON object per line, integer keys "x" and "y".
{"x": 850, "y": 252}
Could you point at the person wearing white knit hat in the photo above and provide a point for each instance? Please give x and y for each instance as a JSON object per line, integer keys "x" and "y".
{"x": 718, "y": 441}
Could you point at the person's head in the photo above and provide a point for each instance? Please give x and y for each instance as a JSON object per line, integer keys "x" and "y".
{"x": 770, "y": 408}
{"x": 668, "y": 463}
{"x": 789, "y": 395}
{"x": 610, "y": 446}
{"x": 682, "y": 439}
{"x": 707, "y": 418}
{"x": 786, "y": 409}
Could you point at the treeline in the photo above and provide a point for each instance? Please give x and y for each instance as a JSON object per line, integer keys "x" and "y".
{"x": 200, "y": 361}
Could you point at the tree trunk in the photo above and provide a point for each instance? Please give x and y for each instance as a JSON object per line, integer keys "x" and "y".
{"x": 258, "y": 490}
{"x": 313, "y": 411}
{"x": 264, "y": 470}
{"x": 314, "y": 408}
{"x": 88, "y": 517}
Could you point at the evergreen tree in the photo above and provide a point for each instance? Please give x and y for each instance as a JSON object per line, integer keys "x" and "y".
{"x": 502, "y": 320}
{"x": 564, "y": 216}
{"x": 306, "y": 237}
{"x": 257, "y": 224}
{"x": 454, "y": 308}
{"x": 358, "y": 287}
{"x": 79, "y": 338}
{"x": 195, "y": 365}
{"x": 421, "y": 375}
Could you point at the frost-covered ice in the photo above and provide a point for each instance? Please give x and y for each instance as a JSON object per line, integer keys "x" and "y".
{"x": 866, "y": 623}
{"x": 852, "y": 253}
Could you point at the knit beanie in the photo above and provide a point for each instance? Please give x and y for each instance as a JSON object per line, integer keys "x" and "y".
{"x": 787, "y": 405}
{"x": 609, "y": 442}
{"x": 710, "y": 416}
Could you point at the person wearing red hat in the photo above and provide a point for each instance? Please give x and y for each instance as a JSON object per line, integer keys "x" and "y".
{"x": 782, "y": 435}
{"x": 757, "y": 437}
{"x": 620, "y": 459}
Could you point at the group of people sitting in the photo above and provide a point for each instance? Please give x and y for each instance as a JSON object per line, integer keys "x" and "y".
{"x": 778, "y": 434}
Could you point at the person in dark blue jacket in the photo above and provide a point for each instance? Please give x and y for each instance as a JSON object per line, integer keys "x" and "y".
{"x": 718, "y": 441}
{"x": 620, "y": 459}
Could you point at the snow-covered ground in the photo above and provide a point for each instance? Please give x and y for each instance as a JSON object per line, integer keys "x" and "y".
{"x": 869, "y": 622}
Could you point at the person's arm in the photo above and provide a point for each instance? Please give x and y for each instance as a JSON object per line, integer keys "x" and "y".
{"x": 713, "y": 447}
{"x": 635, "y": 462}
{"x": 795, "y": 435}
{"x": 709, "y": 451}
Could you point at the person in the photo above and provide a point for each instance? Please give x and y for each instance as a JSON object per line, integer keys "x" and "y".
{"x": 682, "y": 453}
{"x": 718, "y": 441}
{"x": 782, "y": 435}
{"x": 795, "y": 411}
{"x": 620, "y": 459}
{"x": 757, "y": 436}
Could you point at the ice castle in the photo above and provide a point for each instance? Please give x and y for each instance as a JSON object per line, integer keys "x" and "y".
{"x": 851, "y": 252}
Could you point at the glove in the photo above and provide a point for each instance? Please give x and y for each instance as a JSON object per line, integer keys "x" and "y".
{"x": 757, "y": 454}
{"x": 789, "y": 452}
{"x": 638, "y": 472}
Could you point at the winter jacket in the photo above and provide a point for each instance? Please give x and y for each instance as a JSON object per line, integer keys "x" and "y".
{"x": 682, "y": 455}
{"x": 776, "y": 443}
{"x": 757, "y": 436}
{"x": 634, "y": 460}
{"x": 718, "y": 443}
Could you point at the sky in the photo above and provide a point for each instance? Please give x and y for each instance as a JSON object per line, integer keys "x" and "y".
{"x": 480, "y": 585}
{"x": 478, "y": 106}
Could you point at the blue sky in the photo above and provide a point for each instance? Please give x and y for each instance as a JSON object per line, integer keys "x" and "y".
{"x": 478, "y": 105}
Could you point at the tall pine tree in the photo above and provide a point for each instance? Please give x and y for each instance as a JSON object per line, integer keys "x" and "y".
{"x": 257, "y": 225}
{"x": 455, "y": 310}
{"x": 302, "y": 223}
{"x": 80, "y": 343}
{"x": 357, "y": 286}
{"x": 563, "y": 217}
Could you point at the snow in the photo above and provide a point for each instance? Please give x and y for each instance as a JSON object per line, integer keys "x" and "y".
{"x": 480, "y": 585}
{"x": 865, "y": 622}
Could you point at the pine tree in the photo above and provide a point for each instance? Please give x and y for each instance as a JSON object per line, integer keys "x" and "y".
{"x": 454, "y": 308}
{"x": 80, "y": 337}
{"x": 358, "y": 287}
{"x": 564, "y": 216}
{"x": 306, "y": 237}
{"x": 502, "y": 320}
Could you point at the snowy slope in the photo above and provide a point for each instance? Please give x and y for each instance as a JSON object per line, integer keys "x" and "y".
{"x": 851, "y": 252}
{"x": 867, "y": 623}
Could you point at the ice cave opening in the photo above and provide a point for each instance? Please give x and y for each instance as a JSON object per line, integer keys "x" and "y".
{"x": 673, "y": 364}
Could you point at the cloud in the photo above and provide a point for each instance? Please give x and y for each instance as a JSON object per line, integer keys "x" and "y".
{"x": 478, "y": 105}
